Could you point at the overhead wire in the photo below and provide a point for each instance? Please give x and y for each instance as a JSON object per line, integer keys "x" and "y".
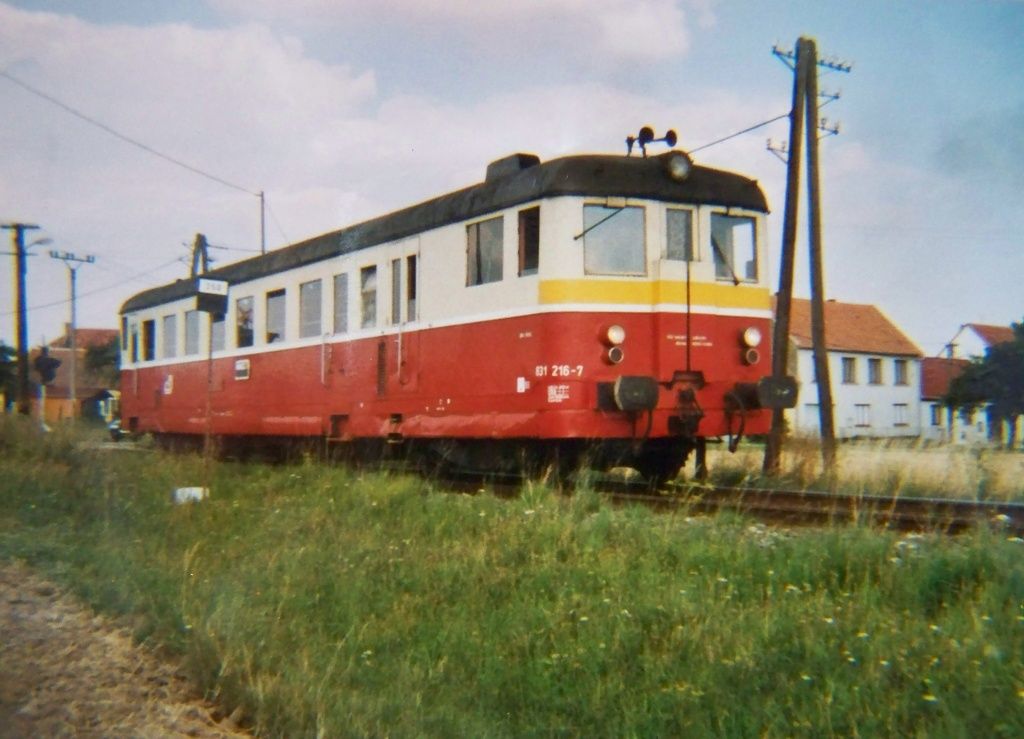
{"x": 117, "y": 134}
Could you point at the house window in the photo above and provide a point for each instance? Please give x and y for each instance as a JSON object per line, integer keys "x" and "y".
{"x": 169, "y": 331}
{"x": 900, "y": 371}
{"x": 217, "y": 332}
{"x": 396, "y": 292}
{"x": 148, "y": 340}
{"x": 368, "y": 296}
{"x": 874, "y": 371}
{"x": 734, "y": 247}
{"x": 899, "y": 414}
{"x": 613, "y": 240}
{"x": 243, "y": 322}
{"x": 679, "y": 234}
{"x": 124, "y": 333}
{"x": 529, "y": 241}
{"x": 340, "y": 304}
{"x": 275, "y": 316}
{"x": 310, "y": 299}
{"x": 410, "y": 287}
{"x": 191, "y": 332}
{"x": 484, "y": 251}
{"x": 936, "y": 410}
{"x": 849, "y": 370}
{"x": 862, "y": 415}
{"x": 135, "y": 343}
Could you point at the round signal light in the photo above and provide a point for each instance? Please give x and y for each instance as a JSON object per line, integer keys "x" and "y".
{"x": 614, "y": 355}
{"x": 752, "y": 337}
{"x": 751, "y": 356}
{"x": 678, "y": 165}
{"x": 615, "y": 335}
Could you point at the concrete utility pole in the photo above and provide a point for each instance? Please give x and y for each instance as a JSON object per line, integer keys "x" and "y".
{"x": 18, "y": 241}
{"x": 805, "y": 103}
{"x": 73, "y": 263}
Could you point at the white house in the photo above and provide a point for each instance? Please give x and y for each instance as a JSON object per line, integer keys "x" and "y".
{"x": 974, "y": 339}
{"x": 971, "y": 341}
{"x": 874, "y": 368}
{"x": 940, "y": 423}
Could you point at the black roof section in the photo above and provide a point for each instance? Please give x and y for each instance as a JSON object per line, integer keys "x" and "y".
{"x": 514, "y": 180}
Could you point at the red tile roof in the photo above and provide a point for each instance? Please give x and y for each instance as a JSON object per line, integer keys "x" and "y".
{"x": 851, "y": 327}
{"x": 937, "y": 373}
{"x": 992, "y": 335}
{"x": 86, "y": 337}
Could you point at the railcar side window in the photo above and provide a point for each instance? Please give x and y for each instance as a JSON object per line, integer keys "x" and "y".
{"x": 243, "y": 322}
{"x": 410, "y": 288}
{"x": 613, "y": 240}
{"x": 396, "y": 292}
{"x": 275, "y": 316}
{"x": 148, "y": 340}
{"x": 529, "y": 241}
{"x": 341, "y": 304}
{"x": 734, "y": 246}
{"x": 217, "y": 332}
{"x": 368, "y": 294}
{"x": 169, "y": 329}
{"x": 309, "y": 308}
{"x": 484, "y": 251}
{"x": 679, "y": 234}
{"x": 191, "y": 332}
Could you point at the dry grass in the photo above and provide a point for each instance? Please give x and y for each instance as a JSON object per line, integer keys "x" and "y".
{"x": 887, "y": 468}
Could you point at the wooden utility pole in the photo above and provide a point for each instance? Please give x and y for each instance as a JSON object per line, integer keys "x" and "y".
{"x": 828, "y": 433}
{"x": 805, "y": 106}
{"x": 18, "y": 241}
{"x": 783, "y": 301}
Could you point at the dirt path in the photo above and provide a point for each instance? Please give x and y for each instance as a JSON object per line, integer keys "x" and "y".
{"x": 66, "y": 672}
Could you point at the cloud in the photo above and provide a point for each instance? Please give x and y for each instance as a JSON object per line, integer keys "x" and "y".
{"x": 631, "y": 30}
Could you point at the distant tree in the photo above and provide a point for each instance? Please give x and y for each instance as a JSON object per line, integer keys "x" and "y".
{"x": 996, "y": 379}
{"x": 104, "y": 360}
{"x": 8, "y": 372}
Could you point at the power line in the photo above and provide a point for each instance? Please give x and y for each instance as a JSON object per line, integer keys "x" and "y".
{"x": 740, "y": 133}
{"x": 117, "y": 134}
{"x": 97, "y": 290}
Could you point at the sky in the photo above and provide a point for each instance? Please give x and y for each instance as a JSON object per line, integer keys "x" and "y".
{"x": 342, "y": 110}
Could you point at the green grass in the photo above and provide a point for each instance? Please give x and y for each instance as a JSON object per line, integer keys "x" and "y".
{"x": 331, "y": 602}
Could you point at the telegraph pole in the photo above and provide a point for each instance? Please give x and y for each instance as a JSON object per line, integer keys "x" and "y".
{"x": 783, "y": 300}
{"x": 804, "y": 62}
{"x": 18, "y": 241}
{"x": 73, "y": 263}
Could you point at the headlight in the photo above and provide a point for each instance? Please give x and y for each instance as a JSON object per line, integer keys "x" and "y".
{"x": 678, "y": 165}
{"x": 614, "y": 335}
{"x": 752, "y": 336}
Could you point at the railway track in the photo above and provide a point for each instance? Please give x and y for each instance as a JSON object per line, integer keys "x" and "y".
{"x": 808, "y": 507}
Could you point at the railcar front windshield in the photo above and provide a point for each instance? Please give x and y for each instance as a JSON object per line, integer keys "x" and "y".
{"x": 734, "y": 247}
{"x": 613, "y": 240}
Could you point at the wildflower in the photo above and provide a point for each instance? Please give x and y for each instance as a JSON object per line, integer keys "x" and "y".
{"x": 1020, "y": 694}
{"x": 884, "y": 663}
{"x": 851, "y": 659}
{"x": 935, "y": 628}
{"x": 806, "y": 678}
{"x": 792, "y": 588}
{"x": 1015, "y": 539}
{"x": 828, "y": 620}
{"x": 584, "y": 619}
{"x": 723, "y": 579}
{"x": 530, "y": 512}
{"x": 862, "y": 635}
{"x": 986, "y": 619}
{"x": 483, "y": 513}
{"x": 930, "y": 697}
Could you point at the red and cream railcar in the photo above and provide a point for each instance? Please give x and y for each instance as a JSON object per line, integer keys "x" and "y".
{"x": 605, "y": 306}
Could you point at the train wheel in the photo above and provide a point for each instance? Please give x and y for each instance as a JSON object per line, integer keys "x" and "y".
{"x": 661, "y": 464}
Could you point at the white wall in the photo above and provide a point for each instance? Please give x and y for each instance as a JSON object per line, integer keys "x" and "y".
{"x": 880, "y": 418}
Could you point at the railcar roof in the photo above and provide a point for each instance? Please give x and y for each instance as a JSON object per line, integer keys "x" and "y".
{"x": 595, "y": 175}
